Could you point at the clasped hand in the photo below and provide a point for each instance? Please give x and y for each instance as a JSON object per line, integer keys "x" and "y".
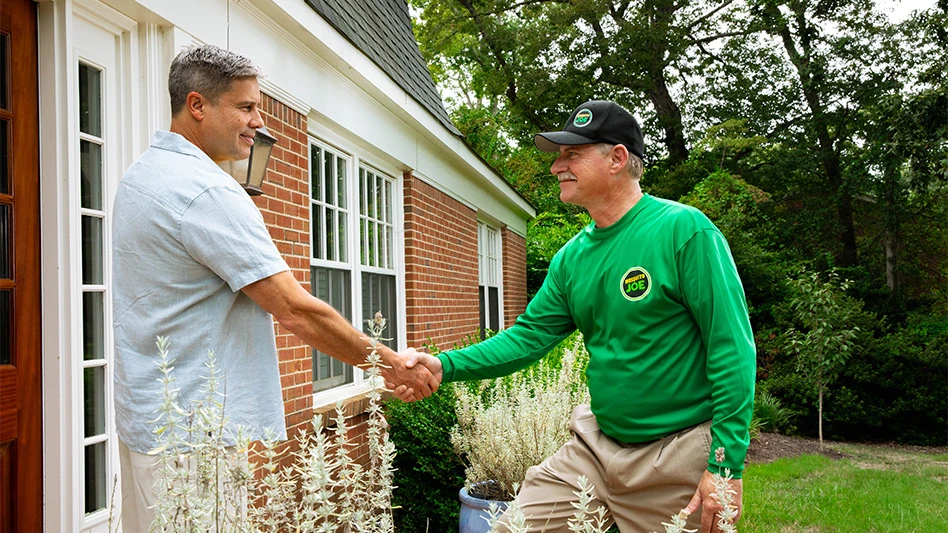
{"x": 413, "y": 375}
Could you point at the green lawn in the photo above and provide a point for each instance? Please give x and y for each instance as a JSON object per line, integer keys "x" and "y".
{"x": 875, "y": 490}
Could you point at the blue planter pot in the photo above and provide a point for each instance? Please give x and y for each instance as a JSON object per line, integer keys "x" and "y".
{"x": 475, "y": 511}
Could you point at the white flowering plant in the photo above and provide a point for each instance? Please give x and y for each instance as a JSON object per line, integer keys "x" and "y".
{"x": 205, "y": 485}
{"x": 509, "y": 424}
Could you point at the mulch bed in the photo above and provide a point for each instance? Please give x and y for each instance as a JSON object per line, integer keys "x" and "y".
{"x": 772, "y": 446}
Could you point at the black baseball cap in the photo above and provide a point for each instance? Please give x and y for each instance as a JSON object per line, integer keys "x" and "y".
{"x": 596, "y": 121}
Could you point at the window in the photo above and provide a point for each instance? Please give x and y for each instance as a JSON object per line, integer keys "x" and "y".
{"x": 490, "y": 276}
{"x": 376, "y": 236}
{"x": 96, "y": 354}
{"x": 342, "y": 253}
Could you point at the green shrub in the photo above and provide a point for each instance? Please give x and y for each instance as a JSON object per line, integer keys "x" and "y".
{"x": 428, "y": 474}
{"x": 769, "y": 413}
{"x": 896, "y": 389}
{"x": 893, "y": 388}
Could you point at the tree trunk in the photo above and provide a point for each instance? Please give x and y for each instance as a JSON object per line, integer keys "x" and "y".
{"x": 669, "y": 117}
{"x": 821, "y": 419}
{"x": 891, "y": 240}
{"x": 844, "y": 200}
{"x": 811, "y": 74}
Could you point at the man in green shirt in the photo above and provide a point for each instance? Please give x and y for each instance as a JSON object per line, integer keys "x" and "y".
{"x": 652, "y": 286}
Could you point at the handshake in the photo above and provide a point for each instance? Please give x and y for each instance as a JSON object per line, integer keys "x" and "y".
{"x": 412, "y": 375}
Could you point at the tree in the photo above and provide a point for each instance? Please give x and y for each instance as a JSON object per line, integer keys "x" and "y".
{"x": 546, "y": 56}
{"x": 823, "y": 350}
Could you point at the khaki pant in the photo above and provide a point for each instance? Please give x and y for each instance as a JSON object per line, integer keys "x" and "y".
{"x": 640, "y": 485}
{"x": 139, "y": 474}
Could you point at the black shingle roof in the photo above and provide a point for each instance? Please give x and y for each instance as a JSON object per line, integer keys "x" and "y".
{"x": 381, "y": 29}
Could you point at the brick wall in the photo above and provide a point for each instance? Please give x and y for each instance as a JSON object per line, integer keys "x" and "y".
{"x": 440, "y": 266}
{"x": 285, "y": 209}
{"x": 515, "y": 275}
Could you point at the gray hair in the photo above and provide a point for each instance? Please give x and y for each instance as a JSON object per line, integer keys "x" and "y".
{"x": 207, "y": 70}
{"x": 635, "y": 167}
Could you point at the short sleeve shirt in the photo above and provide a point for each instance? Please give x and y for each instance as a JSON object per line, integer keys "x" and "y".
{"x": 186, "y": 238}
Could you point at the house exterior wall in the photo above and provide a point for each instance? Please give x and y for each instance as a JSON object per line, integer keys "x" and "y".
{"x": 515, "y": 275}
{"x": 440, "y": 266}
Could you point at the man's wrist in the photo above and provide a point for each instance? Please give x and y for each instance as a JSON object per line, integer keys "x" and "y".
{"x": 447, "y": 367}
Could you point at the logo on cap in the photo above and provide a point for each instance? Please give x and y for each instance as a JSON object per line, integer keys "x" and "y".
{"x": 636, "y": 283}
{"x": 583, "y": 118}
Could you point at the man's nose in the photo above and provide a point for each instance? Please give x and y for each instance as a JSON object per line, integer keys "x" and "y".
{"x": 257, "y": 120}
{"x": 558, "y": 166}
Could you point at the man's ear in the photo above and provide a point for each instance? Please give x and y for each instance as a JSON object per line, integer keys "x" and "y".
{"x": 195, "y": 103}
{"x": 619, "y": 157}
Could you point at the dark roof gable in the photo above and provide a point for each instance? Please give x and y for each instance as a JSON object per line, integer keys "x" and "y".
{"x": 381, "y": 29}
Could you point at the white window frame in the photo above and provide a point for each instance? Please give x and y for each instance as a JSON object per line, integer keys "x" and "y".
{"x": 490, "y": 269}
{"x": 358, "y": 161}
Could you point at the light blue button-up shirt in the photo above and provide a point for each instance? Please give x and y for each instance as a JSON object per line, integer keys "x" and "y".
{"x": 186, "y": 238}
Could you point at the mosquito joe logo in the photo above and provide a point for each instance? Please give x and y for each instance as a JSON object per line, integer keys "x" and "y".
{"x": 583, "y": 118}
{"x": 636, "y": 283}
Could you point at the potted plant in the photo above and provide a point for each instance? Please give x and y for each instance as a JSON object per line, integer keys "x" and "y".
{"x": 506, "y": 425}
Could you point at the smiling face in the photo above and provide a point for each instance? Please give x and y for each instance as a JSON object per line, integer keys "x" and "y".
{"x": 229, "y": 125}
{"x": 584, "y": 174}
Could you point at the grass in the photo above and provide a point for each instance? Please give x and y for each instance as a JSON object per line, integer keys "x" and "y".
{"x": 876, "y": 489}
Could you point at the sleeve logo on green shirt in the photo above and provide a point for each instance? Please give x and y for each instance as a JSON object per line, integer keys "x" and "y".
{"x": 636, "y": 283}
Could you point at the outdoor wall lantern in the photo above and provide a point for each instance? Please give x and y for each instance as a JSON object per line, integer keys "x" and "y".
{"x": 250, "y": 172}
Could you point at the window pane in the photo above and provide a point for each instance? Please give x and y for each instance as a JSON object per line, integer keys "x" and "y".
{"x": 483, "y": 316}
{"x": 90, "y": 100}
{"x": 330, "y": 238}
{"x": 4, "y": 74}
{"x": 6, "y": 241}
{"x": 91, "y": 250}
{"x": 93, "y": 393}
{"x": 494, "y": 306}
{"x": 334, "y": 287}
{"x": 95, "y": 477}
{"x": 93, "y": 343}
{"x": 316, "y": 169}
{"x": 317, "y": 229}
{"x": 379, "y": 214}
{"x": 372, "y": 243}
{"x": 370, "y": 196}
{"x": 328, "y": 177}
{"x": 389, "y": 248}
{"x": 378, "y": 294}
{"x": 388, "y": 201}
{"x": 362, "y": 191}
{"x": 4, "y": 157}
{"x": 341, "y": 182}
{"x": 90, "y": 174}
{"x": 363, "y": 242}
{"x": 341, "y": 236}
{"x": 6, "y": 326}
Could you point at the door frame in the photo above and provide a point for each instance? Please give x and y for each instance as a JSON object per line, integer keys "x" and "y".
{"x": 20, "y": 20}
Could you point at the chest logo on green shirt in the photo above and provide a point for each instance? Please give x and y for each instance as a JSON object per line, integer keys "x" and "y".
{"x": 635, "y": 284}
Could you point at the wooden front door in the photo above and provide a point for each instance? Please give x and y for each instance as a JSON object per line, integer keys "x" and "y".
{"x": 21, "y": 446}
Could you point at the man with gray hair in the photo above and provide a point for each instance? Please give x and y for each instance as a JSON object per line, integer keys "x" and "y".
{"x": 651, "y": 285}
{"x": 194, "y": 262}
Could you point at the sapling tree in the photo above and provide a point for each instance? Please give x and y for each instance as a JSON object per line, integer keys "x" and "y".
{"x": 823, "y": 348}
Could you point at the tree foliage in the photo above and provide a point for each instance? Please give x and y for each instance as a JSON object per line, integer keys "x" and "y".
{"x": 827, "y": 343}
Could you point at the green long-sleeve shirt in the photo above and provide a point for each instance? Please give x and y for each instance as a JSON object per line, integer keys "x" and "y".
{"x": 662, "y": 311}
